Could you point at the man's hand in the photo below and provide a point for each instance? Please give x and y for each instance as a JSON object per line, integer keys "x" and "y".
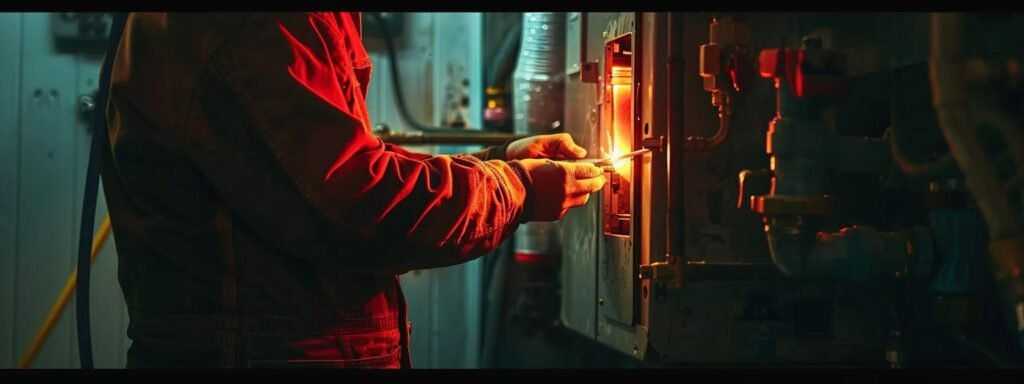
{"x": 557, "y": 146}
{"x": 560, "y": 186}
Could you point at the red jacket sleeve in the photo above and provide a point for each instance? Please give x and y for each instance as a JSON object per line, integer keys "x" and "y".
{"x": 293, "y": 75}
{"x": 490, "y": 153}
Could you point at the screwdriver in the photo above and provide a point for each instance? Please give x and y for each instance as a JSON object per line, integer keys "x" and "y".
{"x": 610, "y": 161}
{"x": 608, "y": 164}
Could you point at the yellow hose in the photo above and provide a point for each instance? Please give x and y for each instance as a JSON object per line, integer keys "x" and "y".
{"x": 65, "y": 295}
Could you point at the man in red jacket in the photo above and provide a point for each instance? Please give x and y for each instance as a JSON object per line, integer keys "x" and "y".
{"x": 258, "y": 221}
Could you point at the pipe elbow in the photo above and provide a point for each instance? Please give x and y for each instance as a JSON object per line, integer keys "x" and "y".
{"x": 790, "y": 247}
{"x": 856, "y": 253}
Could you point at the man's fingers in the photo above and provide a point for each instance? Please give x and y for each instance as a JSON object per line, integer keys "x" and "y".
{"x": 586, "y": 186}
{"x": 576, "y": 201}
{"x": 566, "y": 148}
{"x": 561, "y": 146}
{"x": 581, "y": 171}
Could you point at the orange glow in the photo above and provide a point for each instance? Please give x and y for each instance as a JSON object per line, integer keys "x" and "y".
{"x": 618, "y": 161}
{"x": 621, "y": 135}
{"x": 615, "y": 156}
{"x": 617, "y": 132}
{"x": 617, "y": 140}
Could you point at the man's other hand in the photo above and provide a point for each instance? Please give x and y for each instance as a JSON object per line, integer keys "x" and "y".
{"x": 558, "y": 146}
{"x": 560, "y": 186}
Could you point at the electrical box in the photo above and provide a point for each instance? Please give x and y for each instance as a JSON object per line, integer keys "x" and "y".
{"x": 81, "y": 26}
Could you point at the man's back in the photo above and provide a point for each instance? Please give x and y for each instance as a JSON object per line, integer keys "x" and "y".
{"x": 205, "y": 283}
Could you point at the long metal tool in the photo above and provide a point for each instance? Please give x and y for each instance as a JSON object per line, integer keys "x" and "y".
{"x": 608, "y": 163}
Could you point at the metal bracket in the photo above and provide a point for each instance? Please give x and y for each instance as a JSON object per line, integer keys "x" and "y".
{"x": 655, "y": 143}
{"x": 590, "y": 72}
{"x": 660, "y": 271}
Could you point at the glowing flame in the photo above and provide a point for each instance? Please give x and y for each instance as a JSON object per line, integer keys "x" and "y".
{"x": 622, "y": 122}
{"x": 622, "y": 161}
{"x": 621, "y": 164}
{"x": 615, "y": 155}
{"x": 617, "y": 160}
{"x": 618, "y": 139}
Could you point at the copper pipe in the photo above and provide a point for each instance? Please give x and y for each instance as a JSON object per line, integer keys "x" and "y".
{"x": 723, "y": 100}
{"x": 675, "y": 230}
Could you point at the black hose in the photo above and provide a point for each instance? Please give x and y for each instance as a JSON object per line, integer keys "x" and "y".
{"x": 85, "y": 235}
{"x": 84, "y": 250}
{"x": 396, "y": 81}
